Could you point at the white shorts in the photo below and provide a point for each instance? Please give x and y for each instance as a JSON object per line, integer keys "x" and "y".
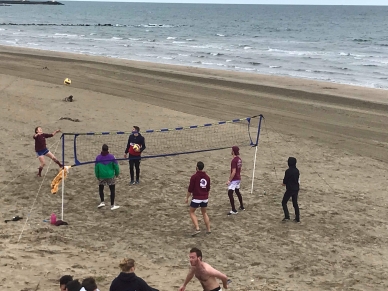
{"x": 234, "y": 185}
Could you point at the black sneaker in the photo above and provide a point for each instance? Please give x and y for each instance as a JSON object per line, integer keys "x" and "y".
{"x": 296, "y": 220}
{"x": 285, "y": 219}
{"x": 242, "y": 208}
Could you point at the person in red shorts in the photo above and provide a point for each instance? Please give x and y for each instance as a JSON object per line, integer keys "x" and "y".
{"x": 199, "y": 188}
{"x": 235, "y": 180}
{"x": 41, "y": 148}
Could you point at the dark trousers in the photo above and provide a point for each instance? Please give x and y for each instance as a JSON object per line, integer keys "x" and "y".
{"x": 294, "y": 195}
{"x": 134, "y": 163}
{"x": 112, "y": 189}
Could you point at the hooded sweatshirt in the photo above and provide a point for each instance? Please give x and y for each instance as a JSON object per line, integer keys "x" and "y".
{"x": 199, "y": 185}
{"x": 291, "y": 176}
{"x": 129, "y": 282}
{"x": 106, "y": 166}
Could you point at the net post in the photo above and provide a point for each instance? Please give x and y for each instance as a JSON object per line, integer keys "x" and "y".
{"x": 63, "y": 174}
{"x": 256, "y": 146}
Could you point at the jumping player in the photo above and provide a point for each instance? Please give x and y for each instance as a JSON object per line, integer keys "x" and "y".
{"x": 205, "y": 273}
{"x": 235, "y": 180}
{"x": 41, "y": 149}
{"x": 199, "y": 187}
{"x": 135, "y": 156}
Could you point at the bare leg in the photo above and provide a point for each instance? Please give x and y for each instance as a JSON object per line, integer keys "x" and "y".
{"x": 42, "y": 164}
{"x": 51, "y": 156}
{"x": 205, "y": 218}
{"x": 194, "y": 218}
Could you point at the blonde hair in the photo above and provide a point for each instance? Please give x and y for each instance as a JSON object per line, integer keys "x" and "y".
{"x": 126, "y": 264}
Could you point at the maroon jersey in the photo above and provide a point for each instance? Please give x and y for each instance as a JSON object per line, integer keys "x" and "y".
{"x": 200, "y": 185}
{"x": 236, "y": 164}
{"x": 40, "y": 141}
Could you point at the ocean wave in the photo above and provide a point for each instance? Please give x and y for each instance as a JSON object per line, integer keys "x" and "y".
{"x": 298, "y": 53}
{"x": 65, "y": 35}
{"x": 86, "y": 24}
{"x": 156, "y": 25}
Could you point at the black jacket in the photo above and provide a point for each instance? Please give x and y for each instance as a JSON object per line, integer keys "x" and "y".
{"x": 132, "y": 139}
{"x": 129, "y": 282}
{"x": 291, "y": 176}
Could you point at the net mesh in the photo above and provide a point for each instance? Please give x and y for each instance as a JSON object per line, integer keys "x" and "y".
{"x": 83, "y": 147}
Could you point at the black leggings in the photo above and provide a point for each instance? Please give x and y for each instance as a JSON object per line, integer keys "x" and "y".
{"x": 294, "y": 195}
{"x": 231, "y": 199}
{"x": 112, "y": 189}
{"x": 134, "y": 163}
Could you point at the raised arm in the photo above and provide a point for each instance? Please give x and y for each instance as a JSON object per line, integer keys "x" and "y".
{"x": 55, "y": 132}
{"x": 189, "y": 276}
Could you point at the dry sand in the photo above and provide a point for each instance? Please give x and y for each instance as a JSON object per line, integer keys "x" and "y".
{"x": 338, "y": 134}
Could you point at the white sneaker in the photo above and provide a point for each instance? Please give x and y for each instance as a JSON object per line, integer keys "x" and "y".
{"x": 102, "y": 204}
{"x": 232, "y": 212}
{"x": 114, "y": 207}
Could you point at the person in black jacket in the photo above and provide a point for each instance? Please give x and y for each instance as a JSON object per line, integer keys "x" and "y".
{"x": 127, "y": 280}
{"x": 135, "y": 154}
{"x": 291, "y": 181}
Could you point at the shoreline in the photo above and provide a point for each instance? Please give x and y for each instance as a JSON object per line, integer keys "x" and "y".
{"x": 266, "y": 82}
{"x": 341, "y": 145}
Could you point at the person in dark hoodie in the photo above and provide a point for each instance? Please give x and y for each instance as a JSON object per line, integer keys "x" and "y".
{"x": 135, "y": 155}
{"x": 127, "y": 279}
{"x": 106, "y": 170}
{"x": 199, "y": 188}
{"x": 291, "y": 181}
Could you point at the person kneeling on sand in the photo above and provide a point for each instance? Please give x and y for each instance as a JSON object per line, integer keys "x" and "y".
{"x": 127, "y": 280}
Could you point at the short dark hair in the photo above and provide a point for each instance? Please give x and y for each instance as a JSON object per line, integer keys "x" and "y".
{"x": 89, "y": 284}
{"x": 197, "y": 252}
{"x": 137, "y": 128}
{"x": 200, "y": 166}
{"x": 65, "y": 279}
{"x": 36, "y": 129}
{"x": 105, "y": 148}
{"x": 74, "y": 285}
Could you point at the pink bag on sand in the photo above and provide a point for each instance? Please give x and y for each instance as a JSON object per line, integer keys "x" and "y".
{"x": 53, "y": 218}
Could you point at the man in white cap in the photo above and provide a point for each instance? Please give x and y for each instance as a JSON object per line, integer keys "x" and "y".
{"x": 235, "y": 180}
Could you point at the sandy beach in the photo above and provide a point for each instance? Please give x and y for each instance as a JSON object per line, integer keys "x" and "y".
{"x": 337, "y": 133}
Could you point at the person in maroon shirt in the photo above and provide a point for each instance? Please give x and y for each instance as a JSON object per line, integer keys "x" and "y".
{"x": 199, "y": 188}
{"x": 235, "y": 180}
{"x": 41, "y": 149}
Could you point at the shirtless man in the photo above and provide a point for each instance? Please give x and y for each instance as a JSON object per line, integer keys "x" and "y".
{"x": 205, "y": 273}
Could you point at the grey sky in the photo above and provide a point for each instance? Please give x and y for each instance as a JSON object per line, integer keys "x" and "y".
{"x": 304, "y": 2}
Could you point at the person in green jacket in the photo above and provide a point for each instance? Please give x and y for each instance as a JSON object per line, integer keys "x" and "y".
{"x": 106, "y": 170}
